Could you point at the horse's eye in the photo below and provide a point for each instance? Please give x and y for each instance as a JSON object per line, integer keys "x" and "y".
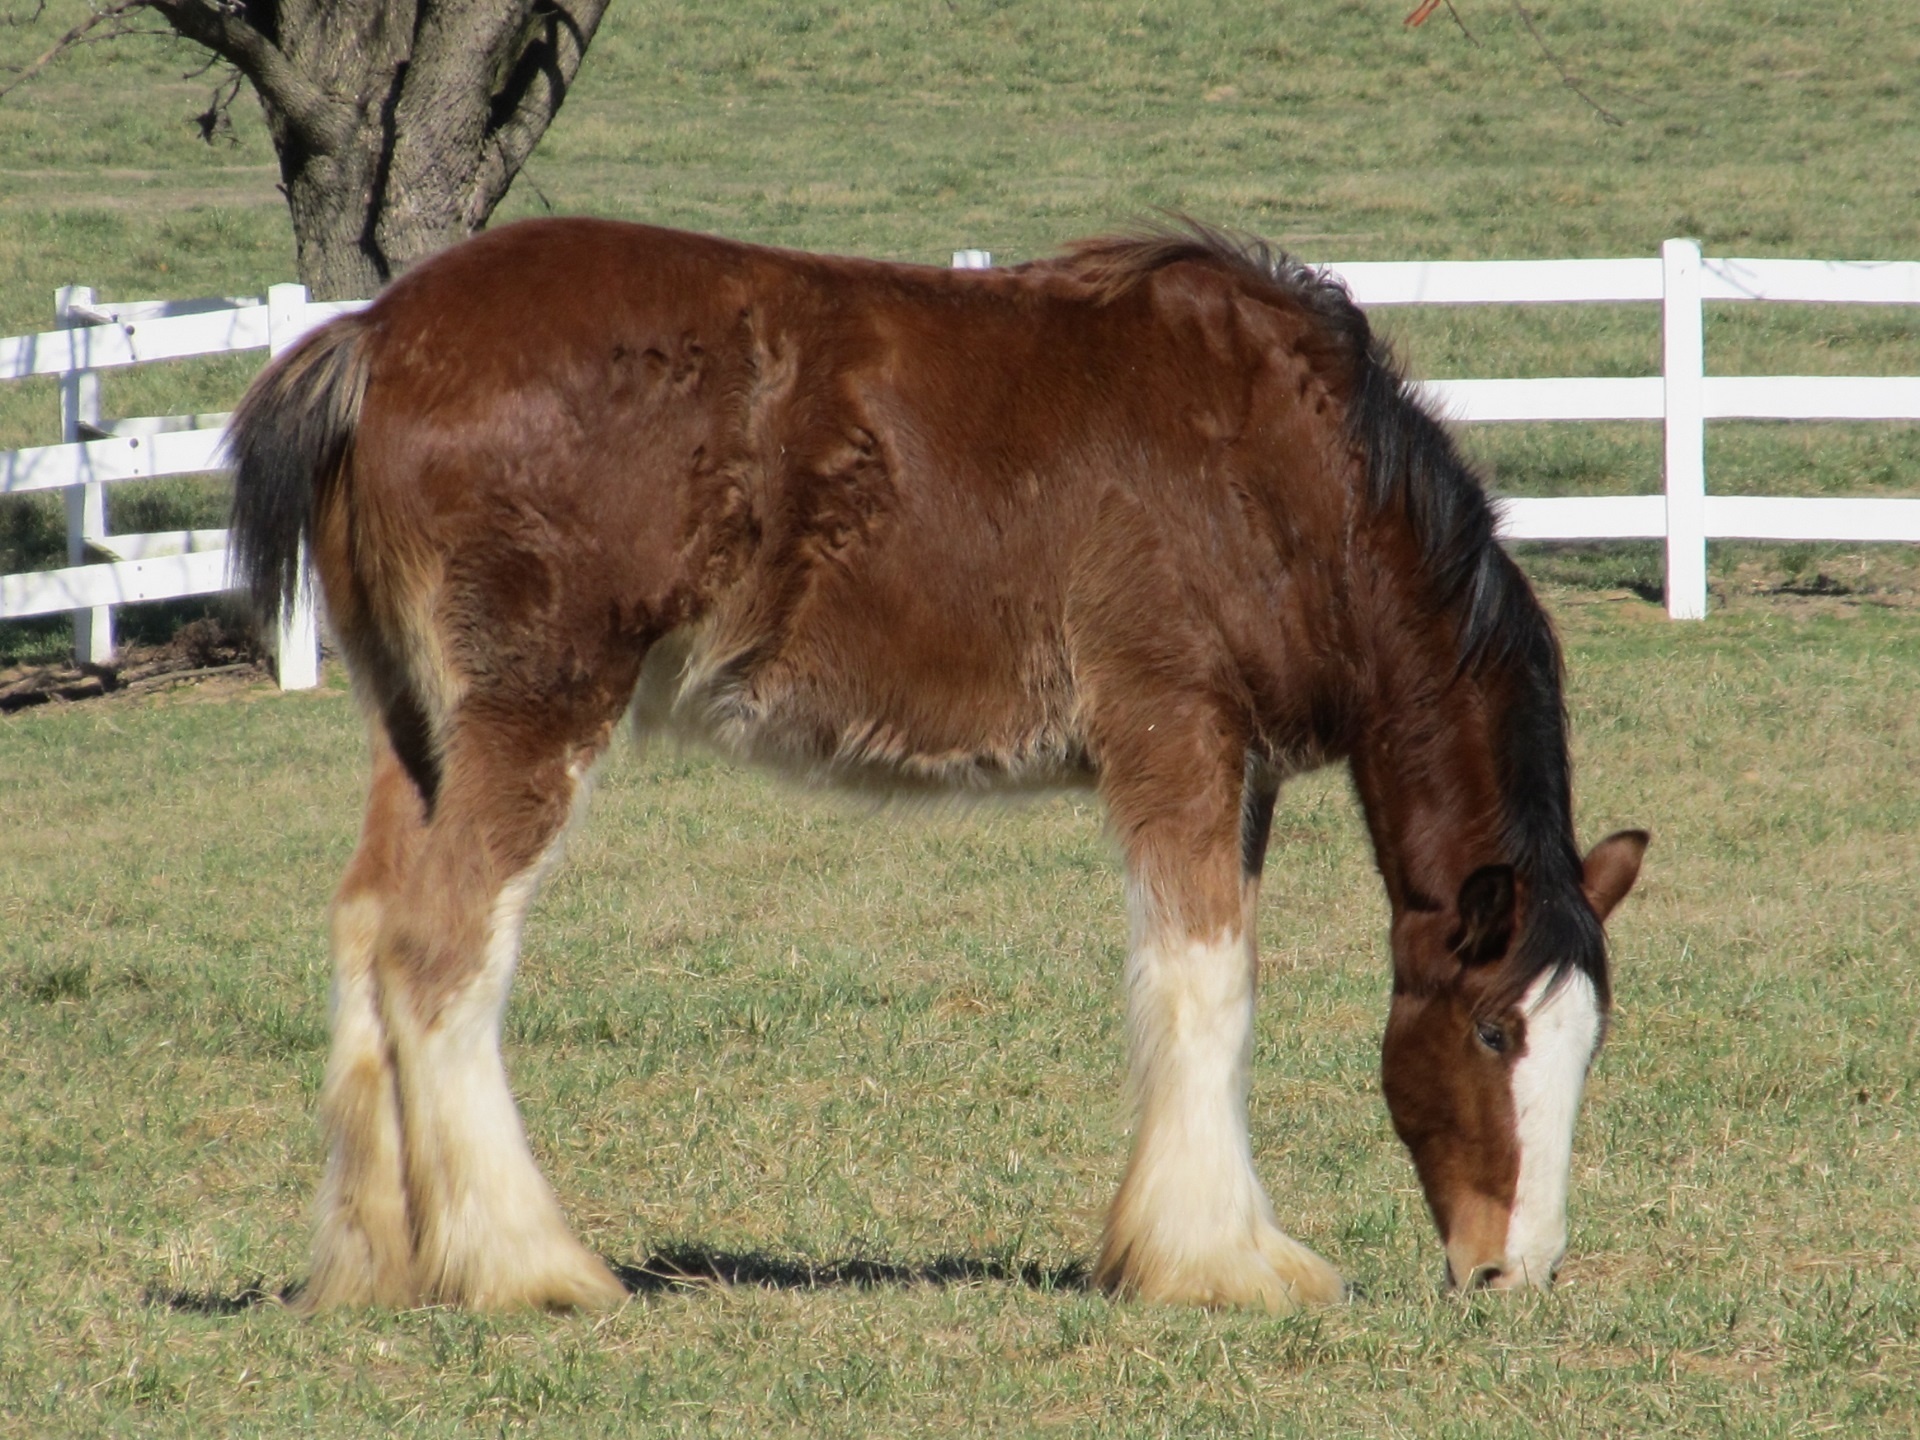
{"x": 1491, "y": 1036}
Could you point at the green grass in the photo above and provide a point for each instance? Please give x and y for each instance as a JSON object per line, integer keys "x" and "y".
{"x": 766, "y": 1026}
{"x": 911, "y": 130}
{"x": 766, "y": 1029}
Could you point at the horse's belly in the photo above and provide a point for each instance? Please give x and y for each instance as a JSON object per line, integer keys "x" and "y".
{"x": 845, "y": 724}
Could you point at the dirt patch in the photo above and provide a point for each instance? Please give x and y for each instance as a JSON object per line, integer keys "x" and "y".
{"x": 203, "y": 652}
{"x": 1838, "y": 583}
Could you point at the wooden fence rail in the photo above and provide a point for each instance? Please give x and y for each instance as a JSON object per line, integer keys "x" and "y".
{"x": 95, "y": 336}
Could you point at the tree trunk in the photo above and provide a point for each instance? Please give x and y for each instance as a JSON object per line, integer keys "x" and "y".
{"x": 400, "y": 124}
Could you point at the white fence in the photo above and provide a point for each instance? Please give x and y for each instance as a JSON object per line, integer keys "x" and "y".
{"x": 1684, "y": 397}
{"x": 95, "y": 453}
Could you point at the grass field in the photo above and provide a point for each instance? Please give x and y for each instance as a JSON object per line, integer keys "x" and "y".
{"x": 865, "y": 1065}
{"x": 762, "y": 1031}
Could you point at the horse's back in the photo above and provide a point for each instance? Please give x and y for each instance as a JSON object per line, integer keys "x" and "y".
{"x": 875, "y": 505}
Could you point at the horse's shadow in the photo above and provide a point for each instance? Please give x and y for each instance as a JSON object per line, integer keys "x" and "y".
{"x": 688, "y": 1266}
{"x": 693, "y": 1267}
{"x": 212, "y": 1302}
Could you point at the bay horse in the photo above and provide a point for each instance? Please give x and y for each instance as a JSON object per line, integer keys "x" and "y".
{"x": 1158, "y": 516}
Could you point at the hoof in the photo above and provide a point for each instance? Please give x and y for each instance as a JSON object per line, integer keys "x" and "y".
{"x": 355, "y": 1265}
{"x": 569, "y": 1278}
{"x": 586, "y": 1285}
{"x": 566, "y": 1277}
{"x": 1268, "y": 1270}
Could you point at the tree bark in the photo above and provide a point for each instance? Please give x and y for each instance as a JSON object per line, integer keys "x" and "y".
{"x": 400, "y": 124}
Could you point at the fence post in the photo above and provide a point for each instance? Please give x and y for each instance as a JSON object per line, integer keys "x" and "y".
{"x": 86, "y": 503}
{"x": 1684, "y": 365}
{"x": 297, "y": 645}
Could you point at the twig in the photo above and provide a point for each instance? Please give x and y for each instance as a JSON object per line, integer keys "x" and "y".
{"x": 66, "y": 42}
{"x": 1566, "y": 76}
{"x": 217, "y": 118}
{"x": 1427, "y": 7}
{"x": 169, "y": 677}
{"x": 524, "y": 178}
{"x": 1471, "y": 38}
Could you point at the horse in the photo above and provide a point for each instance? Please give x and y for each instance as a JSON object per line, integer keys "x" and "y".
{"x": 1157, "y": 516}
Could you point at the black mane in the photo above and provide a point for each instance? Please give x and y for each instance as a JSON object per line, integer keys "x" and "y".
{"x": 1414, "y": 468}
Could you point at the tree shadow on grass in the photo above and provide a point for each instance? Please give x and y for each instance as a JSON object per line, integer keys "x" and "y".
{"x": 692, "y": 1266}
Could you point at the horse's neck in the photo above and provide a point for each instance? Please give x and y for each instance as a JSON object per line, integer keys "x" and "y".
{"x": 1427, "y": 771}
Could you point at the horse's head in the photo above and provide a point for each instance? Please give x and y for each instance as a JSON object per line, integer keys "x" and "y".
{"x": 1483, "y": 1078}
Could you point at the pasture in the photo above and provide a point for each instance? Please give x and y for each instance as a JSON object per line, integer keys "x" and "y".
{"x": 864, "y": 1066}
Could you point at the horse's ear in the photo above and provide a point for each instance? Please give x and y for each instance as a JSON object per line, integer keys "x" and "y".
{"x": 1486, "y": 915}
{"x": 1610, "y": 869}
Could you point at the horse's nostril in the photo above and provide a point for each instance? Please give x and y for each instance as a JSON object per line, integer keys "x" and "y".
{"x": 1466, "y": 1273}
{"x": 1482, "y": 1277}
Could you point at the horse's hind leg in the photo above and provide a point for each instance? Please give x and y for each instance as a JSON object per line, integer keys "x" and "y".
{"x": 1191, "y": 1224}
{"x": 361, "y": 1248}
{"x": 485, "y": 1228}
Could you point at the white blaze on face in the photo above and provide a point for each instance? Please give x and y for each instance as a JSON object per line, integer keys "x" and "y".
{"x": 1563, "y": 1027}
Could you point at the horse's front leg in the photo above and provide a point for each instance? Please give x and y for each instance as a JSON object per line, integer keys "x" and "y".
{"x": 1191, "y": 1224}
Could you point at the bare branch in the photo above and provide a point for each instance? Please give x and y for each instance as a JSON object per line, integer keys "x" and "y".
{"x": 1425, "y": 9}
{"x": 115, "y": 12}
{"x": 525, "y": 177}
{"x": 531, "y": 94}
{"x": 1471, "y": 39}
{"x": 1566, "y": 76}
{"x": 221, "y": 26}
{"x": 217, "y": 118}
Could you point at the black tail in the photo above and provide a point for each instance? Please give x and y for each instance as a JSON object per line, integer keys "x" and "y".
{"x": 289, "y": 442}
